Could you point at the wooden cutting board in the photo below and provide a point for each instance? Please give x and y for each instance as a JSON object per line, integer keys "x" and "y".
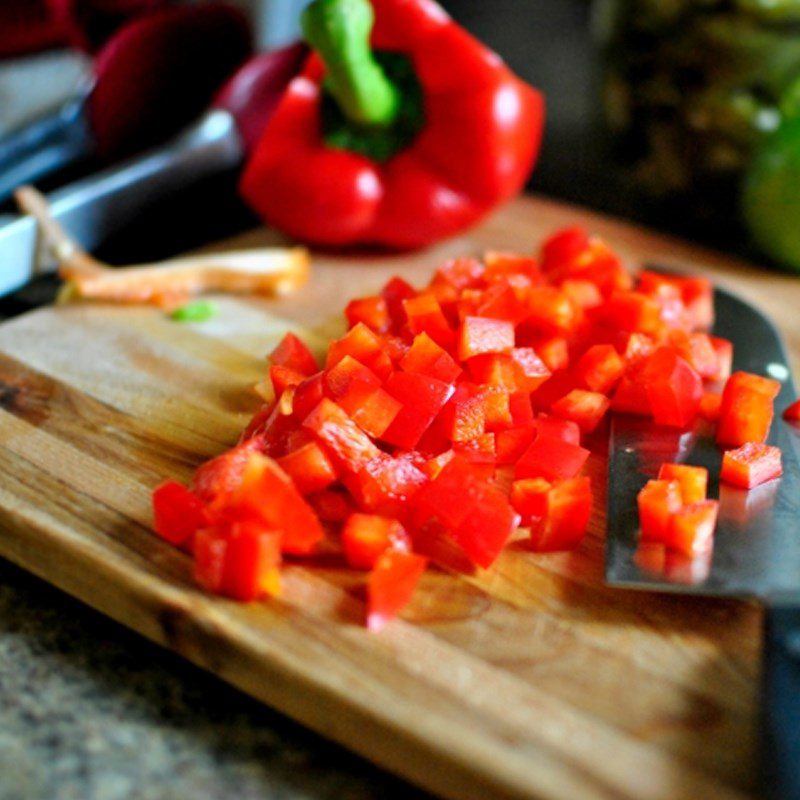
{"x": 530, "y": 680}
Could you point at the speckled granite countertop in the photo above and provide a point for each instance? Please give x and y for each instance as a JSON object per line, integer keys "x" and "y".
{"x": 89, "y": 711}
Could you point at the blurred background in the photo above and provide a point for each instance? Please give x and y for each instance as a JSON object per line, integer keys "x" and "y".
{"x": 554, "y": 44}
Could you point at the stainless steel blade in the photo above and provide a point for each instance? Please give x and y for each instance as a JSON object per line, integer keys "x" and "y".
{"x": 95, "y": 207}
{"x": 757, "y": 542}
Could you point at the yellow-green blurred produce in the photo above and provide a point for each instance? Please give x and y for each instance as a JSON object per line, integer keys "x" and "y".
{"x": 697, "y": 93}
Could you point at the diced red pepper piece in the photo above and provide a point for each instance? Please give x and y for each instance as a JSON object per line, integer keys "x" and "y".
{"x": 673, "y": 388}
{"x": 450, "y": 496}
{"x": 658, "y": 501}
{"x": 425, "y": 315}
{"x": 792, "y": 412}
{"x": 307, "y": 396}
{"x": 698, "y": 350}
{"x": 371, "y": 311}
{"x": 529, "y": 498}
{"x": 497, "y": 408}
{"x": 511, "y": 443}
{"x": 563, "y": 247}
{"x": 554, "y": 352}
{"x": 556, "y": 428}
{"x": 600, "y": 367}
{"x": 391, "y": 585}
{"x": 751, "y": 465}
{"x": 339, "y": 378}
{"x": 364, "y": 346}
{"x": 395, "y": 291}
{"x": 511, "y": 266}
{"x": 375, "y": 412}
{"x": 217, "y": 479}
{"x": 367, "y": 536}
{"x": 240, "y": 561}
{"x": 582, "y": 407}
{"x": 530, "y": 371}
{"x": 433, "y": 466}
{"x": 697, "y": 295}
{"x": 309, "y": 468}
{"x": 746, "y": 410}
{"x": 292, "y": 353}
{"x": 724, "y": 350}
{"x": 283, "y": 378}
{"x": 266, "y": 493}
{"x": 422, "y": 398}
{"x": 464, "y": 416}
{"x": 519, "y": 404}
{"x": 583, "y": 293}
{"x": 484, "y": 335}
{"x": 500, "y": 301}
{"x": 710, "y": 405}
{"x": 568, "y": 507}
{"x": 636, "y": 346}
{"x": 550, "y": 311}
{"x": 484, "y": 532}
{"x": 341, "y": 436}
{"x": 633, "y": 311}
{"x": 693, "y": 481}
{"x": 460, "y": 273}
{"x": 177, "y": 512}
{"x": 330, "y": 505}
{"x": 691, "y": 529}
{"x": 480, "y": 450}
{"x": 551, "y": 458}
{"x": 427, "y": 358}
{"x": 384, "y": 484}
{"x": 630, "y": 397}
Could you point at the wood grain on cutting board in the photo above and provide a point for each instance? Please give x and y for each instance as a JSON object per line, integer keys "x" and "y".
{"x": 529, "y": 680}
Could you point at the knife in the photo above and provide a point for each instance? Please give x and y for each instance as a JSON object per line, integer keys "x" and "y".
{"x": 756, "y": 550}
{"x": 95, "y": 207}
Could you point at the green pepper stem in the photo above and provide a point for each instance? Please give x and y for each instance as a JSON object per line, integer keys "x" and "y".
{"x": 339, "y": 31}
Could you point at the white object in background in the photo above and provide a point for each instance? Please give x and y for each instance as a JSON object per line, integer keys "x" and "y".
{"x": 35, "y": 84}
{"x": 275, "y": 22}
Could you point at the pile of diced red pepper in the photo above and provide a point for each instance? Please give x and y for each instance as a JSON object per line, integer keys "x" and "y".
{"x": 451, "y": 416}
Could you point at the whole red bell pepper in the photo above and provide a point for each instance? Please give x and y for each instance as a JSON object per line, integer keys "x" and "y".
{"x": 403, "y": 129}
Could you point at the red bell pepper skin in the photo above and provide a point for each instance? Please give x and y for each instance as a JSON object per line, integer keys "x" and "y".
{"x": 478, "y": 142}
{"x": 239, "y": 560}
{"x": 309, "y": 468}
{"x": 293, "y": 353}
{"x": 584, "y": 408}
{"x": 692, "y": 481}
{"x": 658, "y": 501}
{"x": 177, "y": 512}
{"x": 267, "y": 494}
{"x": 421, "y": 398}
{"x": 567, "y": 509}
{"x": 427, "y": 358}
{"x": 366, "y": 537}
{"x": 746, "y": 410}
{"x": 551, "y": 458}
{"x": 673, "y": 388}
{"x": 691, "y": 529}
{"x": 391, "y": 585}
{"x": 792, "y": 412}
{"x": 751, "y": 465}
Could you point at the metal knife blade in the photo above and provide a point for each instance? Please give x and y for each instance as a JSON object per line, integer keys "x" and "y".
{"x": 757, "y": 542}
{"x": 756, "y": 548}
{"x": 93, "y": 208}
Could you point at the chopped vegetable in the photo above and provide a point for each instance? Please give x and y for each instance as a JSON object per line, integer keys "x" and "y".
{"x": 436, "y": 419}
{"x": 400, "y": 145}
{"x": 792, "y": 412}
{"x": 198, "y": 311}
{"x": 751, "y": 465}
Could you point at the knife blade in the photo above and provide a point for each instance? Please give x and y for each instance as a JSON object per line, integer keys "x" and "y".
{"x": 756, "y": 550}
{"x": 95, "y": 207}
